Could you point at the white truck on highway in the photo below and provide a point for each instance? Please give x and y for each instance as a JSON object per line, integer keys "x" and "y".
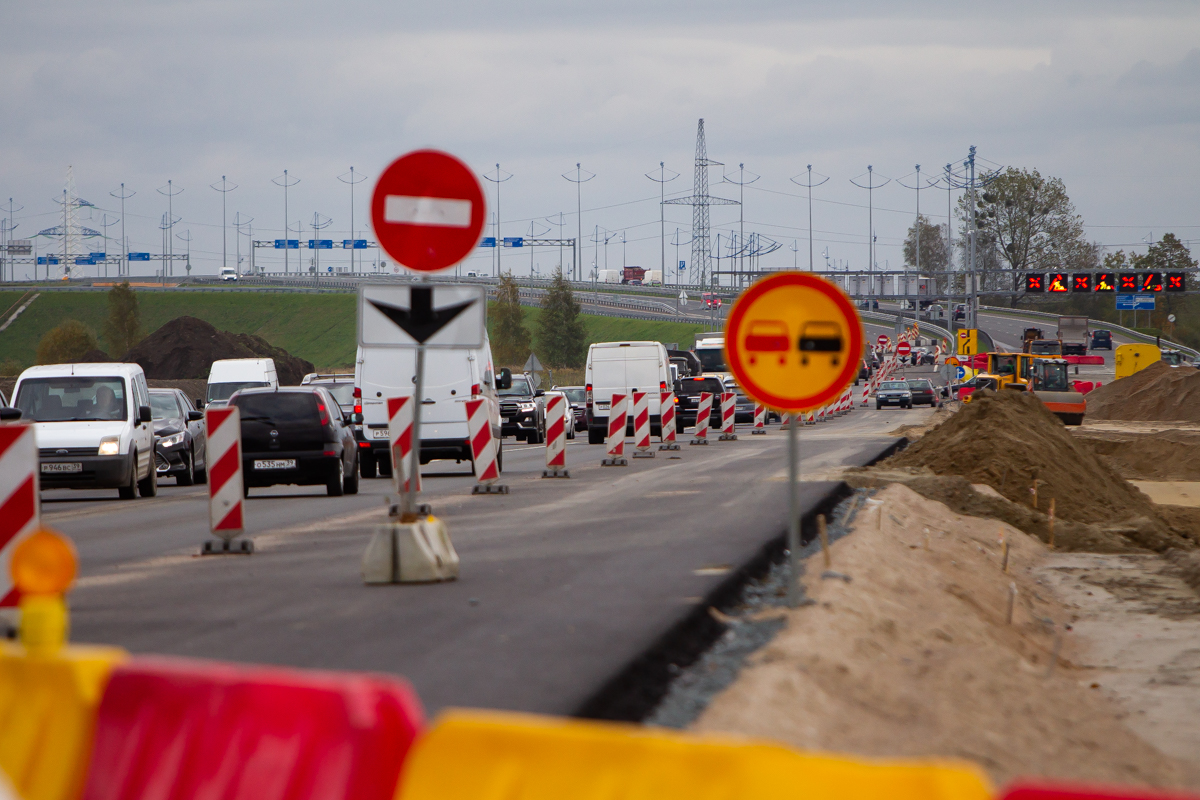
{"x": 608, "y": 276}
{"x": 1074, "y": 335}
{"x": 227, "y": 375}
{"x": 710, "y": 349}
{"x": 624, "y": 368}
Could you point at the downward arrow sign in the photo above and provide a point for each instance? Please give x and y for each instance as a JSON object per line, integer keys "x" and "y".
{"x": 420, "y": 321}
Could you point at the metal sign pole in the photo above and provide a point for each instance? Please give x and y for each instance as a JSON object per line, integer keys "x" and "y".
{"x": 793, "y": 594}
{"x": 414, "y": 469}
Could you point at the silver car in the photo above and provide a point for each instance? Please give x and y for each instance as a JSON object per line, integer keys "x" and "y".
{"x": 893, "y": 393}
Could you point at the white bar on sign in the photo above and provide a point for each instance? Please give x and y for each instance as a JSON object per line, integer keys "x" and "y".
{"x": 427, "y": 211}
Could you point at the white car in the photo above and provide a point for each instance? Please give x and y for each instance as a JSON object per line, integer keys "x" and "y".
{"x": 228, "y": 274}
{"x": 93, "y": 425}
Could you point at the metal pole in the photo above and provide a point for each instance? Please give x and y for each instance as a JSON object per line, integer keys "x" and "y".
{"x": 578, "y": 216}
{"x": 414, "y": 469}
{"x": 793, "y": 594}
{"x": 810, "y": 232}
{"x": 974, "y": 240}
{"x": 870, "y": 231}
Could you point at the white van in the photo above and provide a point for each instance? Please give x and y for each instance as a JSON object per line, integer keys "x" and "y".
{"x": 230, "y": 374}
{"x": 624, "y": 368}
{"x": 451, "y": 378}
{"x": 93, "y": 426}
{"x": 228, "y": 274}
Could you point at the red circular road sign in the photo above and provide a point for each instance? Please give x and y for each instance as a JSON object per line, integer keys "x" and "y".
{"x": 428, "y": 210}
{"x": 903, "y": 349}
{"x": 882, "y": 340}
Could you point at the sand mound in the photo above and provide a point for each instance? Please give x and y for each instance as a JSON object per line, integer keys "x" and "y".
{"x": 1156, "y": 393}
{"x": 185, "y": 347}
{"x": 1160, "y": 456}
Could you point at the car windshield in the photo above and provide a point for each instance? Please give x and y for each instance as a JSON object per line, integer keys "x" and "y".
{"x": 1043, "y": 347}
{"x": 520, "y": 388}
{"x": 163, "y": 405}
{"x": 712, "y": 359}
{"x": 72, "y": 398}
{"x": 895, "y": 385}
{"x": 1173, "y": 358}
{"x": 694, "y": 386}
{"x": 920, "y": 385}
{"x": 224, "y": 391}
{"x": 342, "y": 392}
{"x": 576, "y": 394}
{"x": 278, "y": 407}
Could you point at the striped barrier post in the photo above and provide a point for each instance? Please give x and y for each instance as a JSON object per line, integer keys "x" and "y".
{"x": 666, "y": 407}
{"x": 760, "y": 420}
{"x": 483, "y": 449}
{"x": 866, "y": 393}
{"x": 641, "y": 426}
{"x": 20, "y": 512}
{"x": 556, "y": 438}
{"x": 728, "y": 417}
{"x": 703, "y": 413}
{"x": 226, "y": 484}
{"x": 821, "y": 414}
{"x": 617, "y": 420}
{"x": 400, "y": 441}
{"x": 810, "y": 418}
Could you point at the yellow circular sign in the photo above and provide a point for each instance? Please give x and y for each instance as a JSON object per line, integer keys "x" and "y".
{"x": 793, "y": 341}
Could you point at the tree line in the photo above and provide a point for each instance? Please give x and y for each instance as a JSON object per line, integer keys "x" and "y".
{"x": 561, "y": 338}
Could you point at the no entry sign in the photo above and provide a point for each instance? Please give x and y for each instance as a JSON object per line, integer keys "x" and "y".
{"x": 428, "y": 210}
{"x": 882, "y": 340}
{"x": 903, "y": 349}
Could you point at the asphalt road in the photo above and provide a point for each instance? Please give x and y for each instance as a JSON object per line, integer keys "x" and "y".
{"x": 1006, "y": 331}
{"x": 564, "y": 582}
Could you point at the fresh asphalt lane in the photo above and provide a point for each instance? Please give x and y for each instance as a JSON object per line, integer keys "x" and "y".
{"x": 563, "y": 584}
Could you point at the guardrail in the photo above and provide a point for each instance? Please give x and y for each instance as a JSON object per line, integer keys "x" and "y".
{"x": 1099, "y": 323}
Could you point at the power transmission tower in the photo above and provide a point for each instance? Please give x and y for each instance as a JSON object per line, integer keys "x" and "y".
{"x": 579, "y": 180}
{"x": 501, "y": 177}
{"x": 224, "y": 189}
{"x": 662, "y": 180}
{"x": 809, "y": 184}
{"x": 285, "y": 181}
{"x": 123, "y": 268}
{"x": 353, "y": 179}
{"x": 70, "y": 230}
{"x": 700, "y": 200}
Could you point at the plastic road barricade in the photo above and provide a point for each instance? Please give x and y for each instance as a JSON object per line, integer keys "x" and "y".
{"x": 500, "y": 756}
{"x": 1023, "y": 790}
{"x": 179, "y": 729}
{"x": 47, "y": 715}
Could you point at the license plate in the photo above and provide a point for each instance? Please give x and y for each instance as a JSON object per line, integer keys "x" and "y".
{"x": 379, "y": 433}
{"x": 274, "y": 463}
{"x": 506, "y": 420}
{"x": 59, "y": 467}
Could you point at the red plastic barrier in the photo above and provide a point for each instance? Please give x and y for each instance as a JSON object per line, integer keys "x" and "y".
{"x": 966, "y": 391}
{"x": 979, "y": 361}
{"x": 1085, "y": 360}
{"x": 175, "y": 729}
{"x": 1083, "y": 387}
{"x": 1067, "y": 791}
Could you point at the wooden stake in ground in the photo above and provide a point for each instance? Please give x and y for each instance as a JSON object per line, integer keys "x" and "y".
{"x": 1012, "y": 600}
{"x": 1051, "y": 542}
{"x": 824, "y": 536}
{"x": 1033, "y": 491}
{"x": 1004, "y": 557}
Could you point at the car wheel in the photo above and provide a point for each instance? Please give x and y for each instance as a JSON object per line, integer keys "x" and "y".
{"x": 188, "y": 476}
{"x": 879, "y": 406}
{"x": 571, "y": 431}
{"x": 201, "y": 475}
{"x": 130, "y": 492}
{"x": 595, "y": 435}
{"x": 499, "y": 458}
{"x": 350, "y": 483}
{"x": 367, "y": 466}
{"x": 149, "y": 486}
{"x": 336, "y": 483}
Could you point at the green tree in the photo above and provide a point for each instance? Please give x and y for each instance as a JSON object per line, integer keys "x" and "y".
{"x": 1115, "y": 262}
{"x": 1030, "y": 224}
{"x": 1168, "y": 255}
{"x": 510, "y": 337}
{"x": 66, "y": 343}
{"x": 935, "y": 255}
{"x": 561, "y": 337}
{"x": 123, "y": 329}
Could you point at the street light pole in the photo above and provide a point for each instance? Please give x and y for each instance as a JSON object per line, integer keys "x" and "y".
{"x": 285, "y": 181}
{"x": 224, "y": 190}
{"x": 809, "y": 183}
{"x": 661, "y": 180}
{"x": 579, "y": 180}
{"x": 124, "y": 242}
{"x": 353, "y": 179}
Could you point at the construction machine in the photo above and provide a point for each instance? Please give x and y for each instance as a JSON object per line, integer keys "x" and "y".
{"x": 1050, "y": 382}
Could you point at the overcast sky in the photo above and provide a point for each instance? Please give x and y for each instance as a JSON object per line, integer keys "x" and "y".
{"x": 1104, "y": 95}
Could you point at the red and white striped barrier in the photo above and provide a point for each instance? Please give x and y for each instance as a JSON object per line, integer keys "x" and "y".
{"x": 400, "y": 440}
{"x": 703, "y": 414}
{"x": 666, "y": 414}
{"x": 728, "y": 417}
{"x": 641, "y": 425}
{"x": 483, "y": 448}
{"x": 866, "y": 393}
{"x": 20, "y": 512}
{"x": 812, "y": 418}
{"x": 617, "y": 420}
{"x": 557, "y": 410}
{"x": 760, "y": 419}
{"x": 226, "y": 490}
{"x": 821, "y": 414}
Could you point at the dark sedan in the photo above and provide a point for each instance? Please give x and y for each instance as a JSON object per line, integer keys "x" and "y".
{"x": 180, "y": 444}
{"x": 296, "y": 435}
{"x": 688, "y": 391}
{"x": 922, "y": 392}
{"x": 1101, "y": 339}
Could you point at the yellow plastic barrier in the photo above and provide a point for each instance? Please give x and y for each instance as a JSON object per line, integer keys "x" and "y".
{"x": 1131, "y": 358}
{"x": 500, "y": 756}
{"x": 47, "y": 715}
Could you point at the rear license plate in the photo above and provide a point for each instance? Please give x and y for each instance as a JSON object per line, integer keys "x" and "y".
{"x": 59, "y": 467}
{"x": 274, "y": 463}
{"x": 506, "y": 420}
{"x": 379, "y": 433}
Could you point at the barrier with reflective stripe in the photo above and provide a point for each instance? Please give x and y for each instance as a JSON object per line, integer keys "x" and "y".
{"x": 20, "y": 512}
{"x": 703, "y": 415}
{"x": 400, "y": 441}
{"x": 483, "y": 448}
{"x": 223, "y": 427}
{"x": 728, "y": 416}
{"x": 618, "y": 415}
{"x": 557, "y": 411}
{"x": 760, "y": 419}
{"x": 641, "y": 426}
{"x": 666, "y": 415}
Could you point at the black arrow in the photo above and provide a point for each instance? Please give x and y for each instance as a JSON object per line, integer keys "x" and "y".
{"x": 421, "y": 321}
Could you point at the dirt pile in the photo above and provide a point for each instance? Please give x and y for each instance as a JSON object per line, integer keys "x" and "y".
{"x": 185, "y": 347}
{"x": 1156, "y": 393}
{"x": 1169, "y": 455}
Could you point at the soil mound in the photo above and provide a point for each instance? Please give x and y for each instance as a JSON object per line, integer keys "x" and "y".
{"x": 185, "y": 347}
{"x": 1157, "y": 393}
{"x": 1159, "y": 456}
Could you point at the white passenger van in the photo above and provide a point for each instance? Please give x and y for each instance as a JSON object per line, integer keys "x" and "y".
{"x": 451, "y": 378}
{"x": 230, "y": 374}
{"x": 93, "y": 426}
{"x": 228, "y": 274}
{"x": 624, "y": 368}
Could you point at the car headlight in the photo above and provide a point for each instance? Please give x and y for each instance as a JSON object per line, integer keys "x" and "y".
{"x": 110, "y": 445}
{"x": 172, "y": 440}
{"x": 528, "y": 406}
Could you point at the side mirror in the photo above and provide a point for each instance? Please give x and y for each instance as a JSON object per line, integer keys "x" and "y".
{"x": 195, "y": 416}
{"x": 9, "y": 414}
{"x": 199, "y": 403}
{"x": 144, "y": 414}
{"x": 504, "y": 378}
{"x": 540, "y": 393}
{"x": 357, "y": 418}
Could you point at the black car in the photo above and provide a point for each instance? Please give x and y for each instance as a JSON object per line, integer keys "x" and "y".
{"x": 577, "y": 397}
{"x": 688, "y": 391}
{"x": 523, "y": 411}
{"x": 1101, "y": 339}
{"x": 923, "y": 393}
{"x": 180, "y": 444}
{"x": 296, "y": 435}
